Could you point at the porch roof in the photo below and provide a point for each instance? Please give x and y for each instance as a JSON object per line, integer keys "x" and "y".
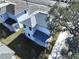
{"x": 40, "y": 36}
{"x": 10, "y": 21}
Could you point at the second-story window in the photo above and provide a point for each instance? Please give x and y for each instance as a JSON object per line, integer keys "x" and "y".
{"x": 25, "y": 11}
{"x": 30, "y": 28}
{"x": 24, "y": 25}
{"x": 0, "y": 16}
{"x": 28, "y": 34}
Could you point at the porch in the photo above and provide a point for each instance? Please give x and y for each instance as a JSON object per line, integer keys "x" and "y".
{"x": 39, "y": 35}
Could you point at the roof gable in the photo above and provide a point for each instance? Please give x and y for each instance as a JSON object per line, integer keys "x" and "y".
{"x": 37, "y": 17}
{"x": 41, "y": 19}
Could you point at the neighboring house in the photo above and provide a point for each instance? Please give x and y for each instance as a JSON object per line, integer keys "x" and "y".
{"x": 11, "y": 14}
{"x": 6, "y": 52}
{"x": 36, "y": 29}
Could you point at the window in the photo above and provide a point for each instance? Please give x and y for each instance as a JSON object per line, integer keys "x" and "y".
{"x": 30, "y": 28}
{"x": 24, "y": 25}
{"x": 66, "y": 1}
{"x": 16, "y": 26}
{"x": 0, "y": 16}
{"x": 28, "y": 34}
{"x": 25, "y": 11}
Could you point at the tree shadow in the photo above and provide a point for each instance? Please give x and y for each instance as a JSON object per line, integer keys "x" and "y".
{"x": 25, "y": 48}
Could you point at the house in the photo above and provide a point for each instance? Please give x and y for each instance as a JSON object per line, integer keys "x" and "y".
{"x": 12, "y": 13}
{"x": 6, "y": 52}
{"x": 36, "y": 28}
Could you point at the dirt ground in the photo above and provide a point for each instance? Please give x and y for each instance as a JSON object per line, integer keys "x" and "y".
{"x": 25, "y": 48}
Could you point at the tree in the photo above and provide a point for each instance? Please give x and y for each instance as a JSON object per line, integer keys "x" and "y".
{"x": 69, "y": 18}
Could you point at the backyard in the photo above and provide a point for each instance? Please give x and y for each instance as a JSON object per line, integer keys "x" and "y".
{"x": 23, "y": 47}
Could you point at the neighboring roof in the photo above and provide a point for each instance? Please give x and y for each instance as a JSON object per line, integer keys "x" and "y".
{"x": 5, "y": 50}
{"x": 40, "y": 36}
{"x": 33, "y": 21}
{"x": 10, "y": 21}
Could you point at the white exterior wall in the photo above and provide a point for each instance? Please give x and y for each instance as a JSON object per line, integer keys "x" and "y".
{"x": 33, "y": 39}
{"x": 20, "y": 24}
{"x": 2, "y": 10}
{"x": 32, "y": 32}
{"x": 27, "y": 31}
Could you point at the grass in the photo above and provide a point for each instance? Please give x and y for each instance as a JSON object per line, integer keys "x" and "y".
{"x": 12, "y": 37}
{"x": 54, "y": 38}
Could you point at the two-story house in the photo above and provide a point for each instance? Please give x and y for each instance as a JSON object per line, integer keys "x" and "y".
{"x": 36, "y": 28}
{"x": 12, "y": 13}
